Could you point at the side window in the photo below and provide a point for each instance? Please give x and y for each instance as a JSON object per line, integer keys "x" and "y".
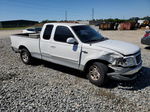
{"x": 62, "y": 33}
{"x": 47, "y": 32}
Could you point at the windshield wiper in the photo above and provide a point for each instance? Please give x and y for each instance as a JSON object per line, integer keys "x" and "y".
{"x": 94, "y": 40}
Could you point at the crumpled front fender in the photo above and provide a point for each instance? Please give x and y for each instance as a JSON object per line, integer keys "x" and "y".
{"x": 109, "y": 57}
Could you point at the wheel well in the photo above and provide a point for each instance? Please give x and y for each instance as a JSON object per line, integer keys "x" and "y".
{"x": 21, "y": 47}
{"x": 92, "y": 61}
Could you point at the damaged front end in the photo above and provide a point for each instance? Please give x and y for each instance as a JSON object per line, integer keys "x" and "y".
{"x": 124, "y": 67}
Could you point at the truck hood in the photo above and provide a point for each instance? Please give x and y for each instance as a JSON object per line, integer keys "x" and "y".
{"x": 118, "y": 46}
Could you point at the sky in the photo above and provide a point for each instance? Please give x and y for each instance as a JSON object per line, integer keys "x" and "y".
{"x": 76, "y": 9}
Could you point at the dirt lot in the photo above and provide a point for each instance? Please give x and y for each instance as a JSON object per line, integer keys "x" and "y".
{"x": 7, "y": 33}
{"x": 49, "y": 87}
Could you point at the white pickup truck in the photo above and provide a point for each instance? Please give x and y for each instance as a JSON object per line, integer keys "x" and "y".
{"x": 80, "y": 47}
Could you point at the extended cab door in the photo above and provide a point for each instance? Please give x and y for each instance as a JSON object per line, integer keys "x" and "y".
{"x": 45, "y": 44}
{"x": 62, "y": 52}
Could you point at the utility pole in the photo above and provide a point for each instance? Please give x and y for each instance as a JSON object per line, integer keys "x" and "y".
{"x": 66, "y": 15}
{"x": 123, "y": 17}
{"x": 92, "y": 13}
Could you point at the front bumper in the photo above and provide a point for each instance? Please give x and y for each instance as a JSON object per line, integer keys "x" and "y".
{"x": 125, "y": 74}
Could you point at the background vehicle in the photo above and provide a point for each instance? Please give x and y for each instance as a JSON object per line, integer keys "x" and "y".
{"x": 146, "y": 39}
{"x": 32, "y": 30}
{"x": 80, "y": 47}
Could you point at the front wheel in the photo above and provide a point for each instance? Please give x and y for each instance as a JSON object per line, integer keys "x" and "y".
{"x": 97, "y": 73}
{"x": 25, "y": 56}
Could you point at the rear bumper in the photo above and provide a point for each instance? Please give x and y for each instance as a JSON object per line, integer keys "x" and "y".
{"x": 15, "y": 50}
{"x": 125, "y": 74}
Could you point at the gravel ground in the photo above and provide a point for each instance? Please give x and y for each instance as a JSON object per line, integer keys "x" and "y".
{"x": 49, "y": 87}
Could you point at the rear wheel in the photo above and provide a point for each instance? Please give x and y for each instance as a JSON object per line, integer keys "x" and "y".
{"x": 25, "y": 56}
{"x": 97, "y": 73}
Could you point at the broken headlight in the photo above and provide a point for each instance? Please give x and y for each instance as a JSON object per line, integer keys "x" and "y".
{"x": 125, "y": 62}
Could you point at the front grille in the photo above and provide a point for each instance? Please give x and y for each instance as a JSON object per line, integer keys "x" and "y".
{"x": 138, "y": 58}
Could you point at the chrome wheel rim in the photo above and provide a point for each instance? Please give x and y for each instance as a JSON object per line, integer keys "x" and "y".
{"x": 25, "y": 57}
{"x": 94, "y": 73}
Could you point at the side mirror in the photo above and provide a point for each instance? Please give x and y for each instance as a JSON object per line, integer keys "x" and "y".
{"x": 71, "y": 40}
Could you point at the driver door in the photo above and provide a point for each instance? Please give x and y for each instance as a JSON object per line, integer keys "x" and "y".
{"x": 62, "y": 52}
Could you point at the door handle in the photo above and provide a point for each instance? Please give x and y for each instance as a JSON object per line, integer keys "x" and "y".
{"x": 85, "y": 52}
{"x": 53, "y": 47}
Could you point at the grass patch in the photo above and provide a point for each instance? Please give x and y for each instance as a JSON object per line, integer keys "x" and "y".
{"x": 17, "y": 28}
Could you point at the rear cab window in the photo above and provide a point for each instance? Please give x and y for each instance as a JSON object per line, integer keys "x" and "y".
{"x": 47, "y": 32}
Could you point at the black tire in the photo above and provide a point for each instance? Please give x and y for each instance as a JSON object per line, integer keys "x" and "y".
{"x": 25, "y": 56}
{"x": 98, "y": 74}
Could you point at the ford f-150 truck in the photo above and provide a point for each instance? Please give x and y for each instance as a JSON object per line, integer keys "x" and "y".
{"x": 80, "y": 47}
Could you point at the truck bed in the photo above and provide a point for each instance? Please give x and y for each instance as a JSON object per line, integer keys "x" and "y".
{"x": 28, "y": 35}
{"x": 30, "y": 41}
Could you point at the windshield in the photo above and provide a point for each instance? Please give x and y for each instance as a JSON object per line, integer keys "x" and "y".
{"x": 30, "y": 29}
{"x": 38, "y": 29}
{"x": 87, "y": 34}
